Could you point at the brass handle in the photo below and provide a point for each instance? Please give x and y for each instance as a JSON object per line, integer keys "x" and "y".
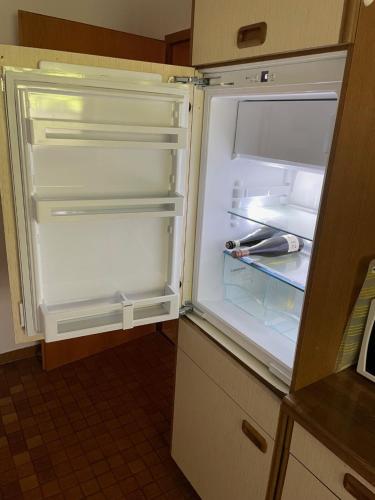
{"x": 249, "y": 36}
{"x": 254, "y": 436}
{"x": 357, "y": 489}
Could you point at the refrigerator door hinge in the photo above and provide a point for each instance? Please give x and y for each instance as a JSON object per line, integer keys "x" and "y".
{"x": 22, "y": 314}
{"x": 186, "y": 308}
{"x": 194, "y": 80}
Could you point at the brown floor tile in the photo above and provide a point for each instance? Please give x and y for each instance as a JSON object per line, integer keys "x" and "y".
{"x": 98, "y": 428}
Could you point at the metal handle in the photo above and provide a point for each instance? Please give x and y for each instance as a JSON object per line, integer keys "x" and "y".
{"x": 251, "y": 35}
{"x": 254, "y": 436}
{"x": 357, "y": 489}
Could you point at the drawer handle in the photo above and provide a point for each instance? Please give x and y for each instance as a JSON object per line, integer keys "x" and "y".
{"x": 249, "y": 36}
{"x": 357, "y": 489}
{"x": 254, "y": 436}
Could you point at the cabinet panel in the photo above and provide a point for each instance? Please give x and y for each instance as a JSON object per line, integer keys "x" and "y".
{"x": 208, "y": 442}
{"x": 243, "y": 388}
{"x": 291, "y": 25}
{"x": 326, "y": 466}
{"x": 300, "y": 483}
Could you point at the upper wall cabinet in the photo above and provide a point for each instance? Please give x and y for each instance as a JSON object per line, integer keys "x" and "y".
{"x": 226, "y": 31}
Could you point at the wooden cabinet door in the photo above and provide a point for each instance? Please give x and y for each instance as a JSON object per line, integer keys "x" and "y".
{"x": 208, "y": 442}
{"x": 300, "y": 483}
{"x": 289, "y": 25}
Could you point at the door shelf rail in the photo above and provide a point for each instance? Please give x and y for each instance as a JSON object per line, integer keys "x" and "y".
{"x": 286, "y": 218}
{"x": 116, "y": 312}
{"x": 42, "y": 132}
{"x": 291, "y": 269}
{"x": 77, "y": 210}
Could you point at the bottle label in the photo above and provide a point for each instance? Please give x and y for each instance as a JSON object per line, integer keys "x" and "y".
{"x": 293, "y": 242}
{"x": 237, "y": 243}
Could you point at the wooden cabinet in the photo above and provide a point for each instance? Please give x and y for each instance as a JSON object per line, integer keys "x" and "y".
{"x": 301, "y": 483}
{"x": 314, "y": 469}
{"x": 223, "y": 451}
{"x": 226, "y": 31}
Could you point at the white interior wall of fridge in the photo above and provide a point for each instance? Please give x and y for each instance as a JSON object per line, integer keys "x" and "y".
{"x": 232, "y": 187}
{"x": 99, "y": 187}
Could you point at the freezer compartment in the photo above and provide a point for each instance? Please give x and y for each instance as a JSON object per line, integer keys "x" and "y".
{"x": 294, "y": 130}
{"x": 74, "y": 133}
{"x": 119, "y": 311}
{"x": 77, "y": 210}
{"x": 275, "y": 302}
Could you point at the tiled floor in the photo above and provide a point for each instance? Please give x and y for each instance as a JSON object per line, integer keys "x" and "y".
{"x": 98, "y": 428}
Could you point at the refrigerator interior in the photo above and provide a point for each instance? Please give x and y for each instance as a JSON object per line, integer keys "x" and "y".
{"x": 100, "y": 186}
{"x": 248, "y": 181}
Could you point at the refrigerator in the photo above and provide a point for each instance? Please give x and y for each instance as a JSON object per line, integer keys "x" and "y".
{"x": 119, "y": 226}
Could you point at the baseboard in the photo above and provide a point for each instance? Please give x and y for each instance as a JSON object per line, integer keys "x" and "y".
{"x": 62, "y": 352}
{"x": 17, "y": 354}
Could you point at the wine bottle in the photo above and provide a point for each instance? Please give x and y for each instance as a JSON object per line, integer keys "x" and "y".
{"x": 272, "y": 247}
{"x": 253, "y": 238}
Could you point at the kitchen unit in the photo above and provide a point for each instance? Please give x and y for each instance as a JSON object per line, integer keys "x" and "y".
{"x": 263, "y": 27}
{"x": 105, "y": 196}
{"x": 242, "y": 185}
{"x": 330, "y": 449}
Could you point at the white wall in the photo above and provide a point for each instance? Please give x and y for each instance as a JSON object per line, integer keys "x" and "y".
{"x": 153, "y": 18}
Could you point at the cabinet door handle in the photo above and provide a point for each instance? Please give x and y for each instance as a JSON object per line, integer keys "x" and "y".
{"x": 357, "y": 489}
{"x": 249, "y": 36}
{"x": 254, "y": 436}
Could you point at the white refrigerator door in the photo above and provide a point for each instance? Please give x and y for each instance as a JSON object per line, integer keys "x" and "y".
{"x": 99, "y": 166}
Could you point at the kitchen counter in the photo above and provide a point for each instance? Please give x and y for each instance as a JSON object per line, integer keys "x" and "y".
{"x": 340, "y": 412}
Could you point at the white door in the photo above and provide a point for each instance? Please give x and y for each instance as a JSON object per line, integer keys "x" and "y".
{"x": 99, "y": 166}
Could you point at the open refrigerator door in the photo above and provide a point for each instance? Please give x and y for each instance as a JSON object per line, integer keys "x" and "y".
{"x": 99, "y": 164}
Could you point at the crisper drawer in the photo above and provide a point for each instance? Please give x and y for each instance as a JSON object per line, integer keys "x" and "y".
{"x": 225, "y": 31}
{"x": 221, "y": 450}
{"x": 249, "y": 393}
{"x": 342, "y": 480}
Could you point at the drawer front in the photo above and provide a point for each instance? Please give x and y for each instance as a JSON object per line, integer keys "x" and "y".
{"x": 326, "y": 466}
{"x": 300, "y": 483}
{"x": 221, "y": 459}
{"x": 248, "y": 392}
{"x": 290, "y": 25}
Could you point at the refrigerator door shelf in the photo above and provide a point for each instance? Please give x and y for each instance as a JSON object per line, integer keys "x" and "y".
{"x": 142, "y": 309}
{"x": 74, "y": 133}
{"x": 117, "y": 312}
{"x": 77, "y": 210}
{"x": 287, "y": 218}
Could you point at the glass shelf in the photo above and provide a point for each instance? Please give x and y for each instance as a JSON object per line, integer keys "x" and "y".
{"x": 283, "y": 217}
{"x": 291, "y": 269}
